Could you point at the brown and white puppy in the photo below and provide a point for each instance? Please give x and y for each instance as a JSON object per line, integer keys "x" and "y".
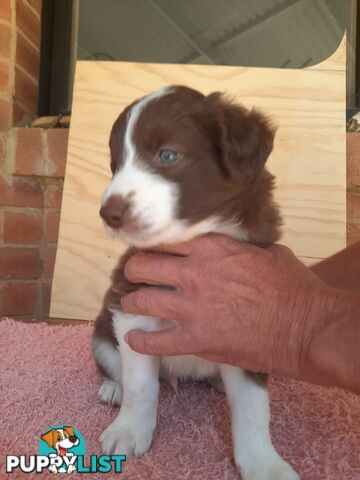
{"x": 184, "y": 164}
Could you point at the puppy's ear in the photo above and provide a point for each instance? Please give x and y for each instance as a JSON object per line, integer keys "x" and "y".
{"x": 247, "y": 138}
{"x": 50, "y": 437}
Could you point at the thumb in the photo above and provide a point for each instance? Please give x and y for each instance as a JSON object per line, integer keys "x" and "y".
{"x": 163, "y": 342}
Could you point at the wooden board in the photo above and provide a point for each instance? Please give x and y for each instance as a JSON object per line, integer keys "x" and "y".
{"x": 308, "y": 160}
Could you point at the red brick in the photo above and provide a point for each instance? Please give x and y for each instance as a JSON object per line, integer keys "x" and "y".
{"x": 21, "y": 193}
{"x": 52, "y": 221}
{"x": 57, "y": 140}
{"x": 4, "y": 77}
{"x": 5, "y": 114}
{"x": 36, "y": 4}
{"x": 21, "y": 117}
{"x": 29, "y": 152}
{"x": 46, "y": 298}
{"x": 22, "y": 263}
{"x": 353, "y": 205}
{"x": 5, "y": 10}
{"x": 22, "y": 227}
{"x": 20, "y": 298}
{"x": 353, "y": 158}
{"x": 49, "y": 261}
{"x": 27, "y": 56}
{"x": 54, "y": 196}
{"x": 26, "y": 90}
{"x": 18, "y": 115}
{"x": 27, "y": 21}
{"x": 5, "y": 39}
{"x": 353, "y": 233}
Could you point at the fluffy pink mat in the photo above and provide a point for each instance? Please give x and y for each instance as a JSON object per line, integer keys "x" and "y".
{"x": 47, "y": 377}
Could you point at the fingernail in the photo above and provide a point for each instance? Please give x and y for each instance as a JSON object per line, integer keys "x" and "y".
{"x": 121, "y": 303}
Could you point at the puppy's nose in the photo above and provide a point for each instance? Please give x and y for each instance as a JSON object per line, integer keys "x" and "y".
{"x": 72, "y": 439}
{"x": 113, "y": 211}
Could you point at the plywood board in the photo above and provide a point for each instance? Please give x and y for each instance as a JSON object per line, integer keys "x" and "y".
{"x": 308, "y": 160}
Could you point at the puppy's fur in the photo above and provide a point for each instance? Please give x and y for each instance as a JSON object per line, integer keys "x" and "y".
{"x": 211, "y": 178}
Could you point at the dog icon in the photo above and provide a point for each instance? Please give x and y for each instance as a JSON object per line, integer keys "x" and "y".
{"x": 61, "y": 439}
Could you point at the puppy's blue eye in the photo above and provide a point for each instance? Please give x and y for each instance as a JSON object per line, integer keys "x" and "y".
{"x": 168, "y": 156}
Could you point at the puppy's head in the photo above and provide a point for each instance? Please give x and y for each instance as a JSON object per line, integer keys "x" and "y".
{"x": 179, "y": 159}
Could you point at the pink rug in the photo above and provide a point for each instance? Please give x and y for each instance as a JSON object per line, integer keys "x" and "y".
{"x": 48, "y": 377}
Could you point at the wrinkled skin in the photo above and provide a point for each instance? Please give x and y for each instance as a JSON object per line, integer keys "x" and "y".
{"x": 260, "y": 309}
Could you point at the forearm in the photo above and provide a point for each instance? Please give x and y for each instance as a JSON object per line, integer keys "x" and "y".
{"x": 333, "y": 357}
{"x": 342, "y": 270}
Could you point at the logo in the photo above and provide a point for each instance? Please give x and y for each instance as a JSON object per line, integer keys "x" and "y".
{"x": 62, "y": 449}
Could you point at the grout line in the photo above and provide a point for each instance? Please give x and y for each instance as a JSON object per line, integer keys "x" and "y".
{"x": 17, "y": 246}
{"x": 49, "y": 321}
{"x": 27, "y": 39}
{"x": 6, "y": 22}
{"x": 1, "y": 226}
{"x": 18, "y": 31}
{"x": 30, "y": 77}
{"x": 29, "y": 281}
{"x": 33, "y": 9}
{"x": 5, "y": 59}
{"x": 11, "y": 87}
{"x": 26, "y": 110}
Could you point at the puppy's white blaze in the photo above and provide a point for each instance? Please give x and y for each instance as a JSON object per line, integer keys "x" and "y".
{"x": 130, "y": 153}
{"x": 153, "y": 199}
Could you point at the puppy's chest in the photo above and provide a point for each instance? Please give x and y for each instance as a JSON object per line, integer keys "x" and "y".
{"x": 181, "y": 366}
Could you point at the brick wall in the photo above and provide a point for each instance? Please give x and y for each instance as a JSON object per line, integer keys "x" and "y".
{"x": 32, "y": 168}
{"x": 20, "y": 27}
{"x": 32, "y": 163}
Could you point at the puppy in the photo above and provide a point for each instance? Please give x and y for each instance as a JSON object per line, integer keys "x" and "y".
{"x": 184, "y": 164}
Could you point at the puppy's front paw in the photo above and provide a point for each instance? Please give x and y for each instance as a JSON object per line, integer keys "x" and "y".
{"x": 110, "y": 392}
{"x": 267, "y": 468}
{"x": 129, "y": 437}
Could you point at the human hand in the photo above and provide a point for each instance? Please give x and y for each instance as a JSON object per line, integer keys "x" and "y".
{"x": 231, "y": 302}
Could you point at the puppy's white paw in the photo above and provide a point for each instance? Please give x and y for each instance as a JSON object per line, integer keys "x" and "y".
{"x": 266, "y": 468}
{"x": 110, "y": 392}
{"x": 127, "y": 437}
